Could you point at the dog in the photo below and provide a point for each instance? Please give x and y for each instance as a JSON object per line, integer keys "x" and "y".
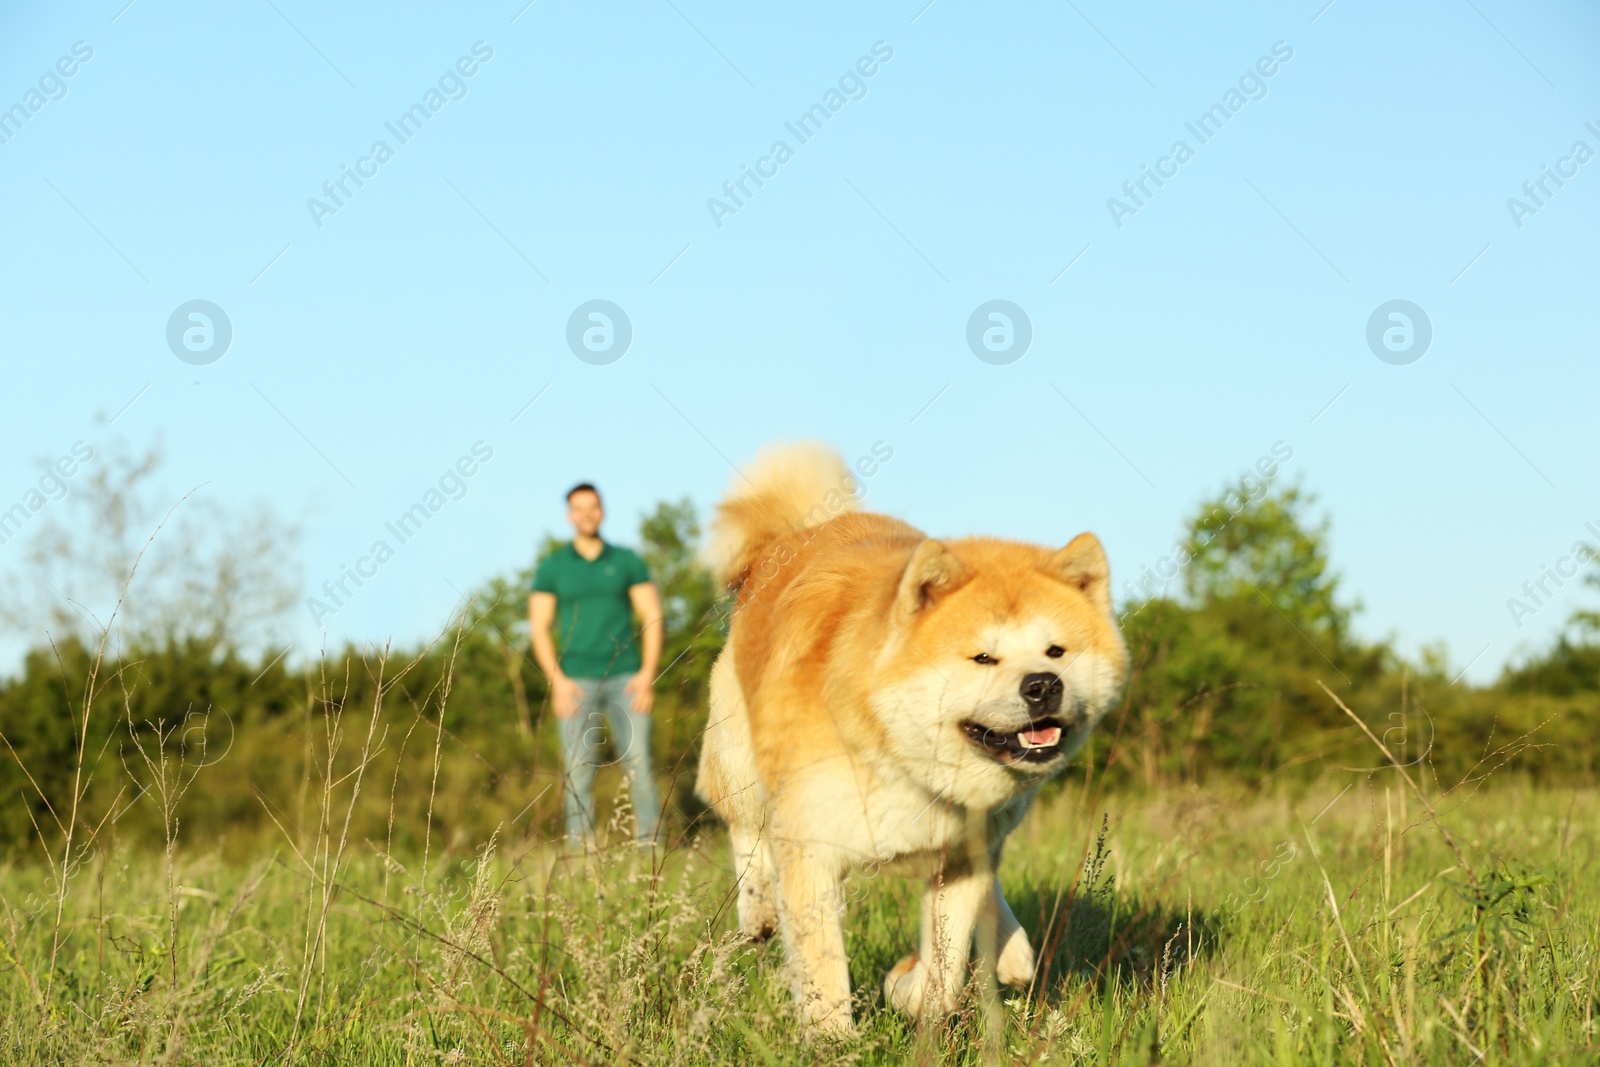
{"x": 890, "y": 700}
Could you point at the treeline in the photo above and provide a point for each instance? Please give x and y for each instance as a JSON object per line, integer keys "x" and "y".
{"x": 452, "y": 740}
{"x": 1230, "y": 671}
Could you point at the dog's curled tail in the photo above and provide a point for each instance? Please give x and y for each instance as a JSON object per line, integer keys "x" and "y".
{"x": 787, "y": 488}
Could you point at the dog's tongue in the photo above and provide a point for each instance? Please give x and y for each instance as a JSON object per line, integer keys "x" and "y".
{"x": 1040, "y": 737}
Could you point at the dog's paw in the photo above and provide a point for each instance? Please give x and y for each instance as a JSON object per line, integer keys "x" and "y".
{"x": 834, "y": 1027}
{"x": 758, "y": 915}
{"x": 903, "y": 986}
{"x": 910, "y": 983}
{"x": 825, "y": 1019}
{"x": 758, "y": 930}
{"x": 1016, "y": 962}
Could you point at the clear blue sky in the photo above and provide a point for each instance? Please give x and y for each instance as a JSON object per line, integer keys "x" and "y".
{"x": 1223, "y": 315}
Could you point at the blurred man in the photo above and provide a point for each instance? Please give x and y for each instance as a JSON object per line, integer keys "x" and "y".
{"x": 606, "y": 670}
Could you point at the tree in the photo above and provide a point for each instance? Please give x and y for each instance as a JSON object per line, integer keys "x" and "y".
{"x": 1587, "y": 622}
{"x": 498, "y": 614}
{"x": 192, "y": 570}
{"x": 1572, "y": 665}
{"x": 1226, "y": 676}
{"x": 695, "y": 630}
{"x": 1264, "y": 546}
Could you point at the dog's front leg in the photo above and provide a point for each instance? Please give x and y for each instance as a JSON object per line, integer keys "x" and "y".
{"x": 811, "y": 917}
{"x": 1014, "y": 961}
{"x": 934, "y": 976}
{"x": 758, "y": 891}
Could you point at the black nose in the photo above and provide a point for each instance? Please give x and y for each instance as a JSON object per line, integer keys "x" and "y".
{"x": 1042, "y": 692}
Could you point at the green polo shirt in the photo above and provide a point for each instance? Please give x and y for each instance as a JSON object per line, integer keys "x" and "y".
{"x": 594, "y": 617}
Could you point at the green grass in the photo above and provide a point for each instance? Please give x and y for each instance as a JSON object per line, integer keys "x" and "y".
{"x": 1203, "y": 926}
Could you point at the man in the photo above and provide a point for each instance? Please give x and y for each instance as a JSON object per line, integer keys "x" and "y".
{"x": 606, "y": 669}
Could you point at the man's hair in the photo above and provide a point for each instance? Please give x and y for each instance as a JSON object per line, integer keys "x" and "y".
{"x": 582, "y": 487}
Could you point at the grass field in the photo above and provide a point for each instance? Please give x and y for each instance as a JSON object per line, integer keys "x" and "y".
{"x": 1346, "y": 923}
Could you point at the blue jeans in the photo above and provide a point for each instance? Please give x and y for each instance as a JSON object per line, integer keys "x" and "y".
{"x": 581, "y": 739}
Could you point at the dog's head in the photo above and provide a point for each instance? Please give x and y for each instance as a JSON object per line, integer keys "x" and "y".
{"x": 1001, "y": 657}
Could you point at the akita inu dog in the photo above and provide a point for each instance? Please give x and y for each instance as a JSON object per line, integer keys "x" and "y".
{"x": 891, "y": 699}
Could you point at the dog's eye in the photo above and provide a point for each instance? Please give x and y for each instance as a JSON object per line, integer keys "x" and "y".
{"x": 1055, "y": 652}
{"x": 985, "y": 659}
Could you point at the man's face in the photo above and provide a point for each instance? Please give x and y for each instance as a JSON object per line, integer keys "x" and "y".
{"x": 584, "y": 512}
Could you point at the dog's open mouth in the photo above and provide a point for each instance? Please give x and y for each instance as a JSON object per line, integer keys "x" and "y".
{"x": 1037, "y": 742}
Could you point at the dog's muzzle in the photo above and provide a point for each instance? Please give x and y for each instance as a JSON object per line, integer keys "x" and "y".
{"x": 1039, "y": 741}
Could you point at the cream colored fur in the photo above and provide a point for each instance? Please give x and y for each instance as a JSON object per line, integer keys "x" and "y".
{"x": 843, "y": 711}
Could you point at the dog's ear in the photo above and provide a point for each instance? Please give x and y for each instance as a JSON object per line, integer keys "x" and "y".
{"x": 1082, "y": 565}
{"x": 932, "y": 572}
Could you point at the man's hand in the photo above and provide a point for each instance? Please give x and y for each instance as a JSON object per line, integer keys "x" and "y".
{"x": 641, "y": 687}
{"x": 565, "y": 695}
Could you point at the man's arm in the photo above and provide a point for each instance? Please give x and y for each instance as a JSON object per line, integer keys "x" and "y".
{"x": 564, "y": 691}
{"x": 647, "y": 602}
